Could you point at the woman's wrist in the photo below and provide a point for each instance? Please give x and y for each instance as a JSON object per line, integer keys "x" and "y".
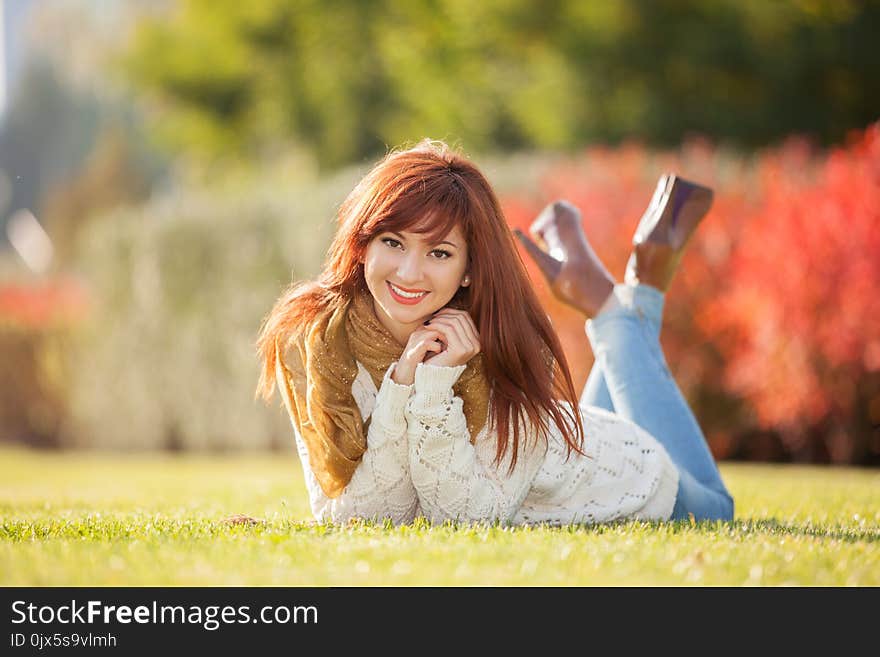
{"x": 402, "y": 375}
{"x": 430, "y": 378}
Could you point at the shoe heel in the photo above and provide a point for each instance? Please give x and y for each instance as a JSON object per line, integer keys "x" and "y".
{"x": 652, "y": 214}
{"x": 676, "y": 209}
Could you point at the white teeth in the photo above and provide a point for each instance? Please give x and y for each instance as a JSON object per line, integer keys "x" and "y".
{"x": 407, "y": 295}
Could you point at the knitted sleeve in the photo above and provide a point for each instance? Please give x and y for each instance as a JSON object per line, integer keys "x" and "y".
{"x": 380, "y": 486}
{"x": 456, "y": 480}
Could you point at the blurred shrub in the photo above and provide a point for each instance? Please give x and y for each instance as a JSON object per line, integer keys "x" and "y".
{"x": 798, "y": 320}
{"x": 771, "y": 327}
{"x": 181, "y": 284}
{"x": 35, "y": 323}
{"x": 110, "y": 176}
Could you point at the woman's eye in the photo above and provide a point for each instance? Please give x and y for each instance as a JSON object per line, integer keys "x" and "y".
{"x": 440, "y": 254}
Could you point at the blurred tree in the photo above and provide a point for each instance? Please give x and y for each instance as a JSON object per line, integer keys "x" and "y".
{"x": 45, "y": 132}
{"x": 62, "y": 111}
{"x": 346, "y": 78}
{"x": 110, "y": 176}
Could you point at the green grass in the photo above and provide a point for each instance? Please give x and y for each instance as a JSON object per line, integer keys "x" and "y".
{"x": 109, "y": 520}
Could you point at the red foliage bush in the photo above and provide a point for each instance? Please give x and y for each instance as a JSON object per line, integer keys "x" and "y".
{"x": 33, "y": 322}
{"x": 798, "y": 313}
{"x": 43, "y": 305}
{"x": 772, "y": 328}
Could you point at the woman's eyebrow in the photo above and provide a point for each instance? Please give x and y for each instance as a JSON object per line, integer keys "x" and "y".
{"x": 437, "y": 244}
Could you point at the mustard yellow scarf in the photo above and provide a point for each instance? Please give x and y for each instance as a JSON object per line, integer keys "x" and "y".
{"x": 315, "y": 371}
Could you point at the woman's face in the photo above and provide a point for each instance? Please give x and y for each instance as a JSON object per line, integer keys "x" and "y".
{"x": 410, "y": 278}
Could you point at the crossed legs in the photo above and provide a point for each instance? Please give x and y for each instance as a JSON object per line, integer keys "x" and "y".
{"x": 630, "y": 376}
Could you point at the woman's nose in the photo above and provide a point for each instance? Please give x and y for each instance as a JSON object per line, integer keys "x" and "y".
{"x": 409, "y": 269}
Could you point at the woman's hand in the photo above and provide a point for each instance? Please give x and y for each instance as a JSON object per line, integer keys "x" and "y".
{"x": 459, "y": 334}
{"x": 422, "y": 341}
{"x": 449, "y": 339}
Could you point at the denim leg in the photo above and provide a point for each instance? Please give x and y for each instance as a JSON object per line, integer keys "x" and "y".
{"x": 627, "y": 348}
{"x": 595, "y": 392}
{"x": 706, "y": 503}
{"x": 649, "y": 301}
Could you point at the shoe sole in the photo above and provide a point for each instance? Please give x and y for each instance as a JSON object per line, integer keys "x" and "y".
{"x": 660, "y": 222}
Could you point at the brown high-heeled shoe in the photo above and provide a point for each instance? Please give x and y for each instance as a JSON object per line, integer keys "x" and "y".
{"x": 664, "y": 230}
{"x": 572, "y": 269}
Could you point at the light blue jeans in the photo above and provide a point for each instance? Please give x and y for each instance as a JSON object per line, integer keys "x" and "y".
{"x": 630, "y": 377}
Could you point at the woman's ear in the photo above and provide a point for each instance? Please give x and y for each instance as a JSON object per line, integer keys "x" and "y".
{"x": 466, "y": 280}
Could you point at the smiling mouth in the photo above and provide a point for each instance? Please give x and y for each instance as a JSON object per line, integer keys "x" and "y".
{"x": 406, "y": 296}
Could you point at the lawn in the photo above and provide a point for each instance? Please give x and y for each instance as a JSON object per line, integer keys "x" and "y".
{"x": 111, "y": 520}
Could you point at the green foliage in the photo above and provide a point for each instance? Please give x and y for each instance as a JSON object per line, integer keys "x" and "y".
{"x": 346, "y": 79}
{"x": 89, "y": 519}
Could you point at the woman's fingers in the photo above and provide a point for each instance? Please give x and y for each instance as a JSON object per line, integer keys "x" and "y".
{"x": 430, "y": 339}
{"x": 458, "y": 338}
{"x": 434, "y": 344}
{"x": 466, "y": 329}
{"x": 471, "y": 328}
{"x": 455, "y": 341}
{"x": 465, "y": 321}
{"x": 430, "y": 344}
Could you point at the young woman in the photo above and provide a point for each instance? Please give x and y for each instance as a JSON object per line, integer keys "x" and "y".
{"x": 423, "y": 378}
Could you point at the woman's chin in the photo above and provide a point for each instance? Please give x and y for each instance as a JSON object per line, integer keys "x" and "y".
{"x": 402, "y": 315}
{"x": 414, "y": 319}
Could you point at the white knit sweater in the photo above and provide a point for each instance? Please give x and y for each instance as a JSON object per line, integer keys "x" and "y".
{"x": 419, "y": 461}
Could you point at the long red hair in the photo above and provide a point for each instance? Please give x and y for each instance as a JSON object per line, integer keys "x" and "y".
{"x": 523, "y": 357}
